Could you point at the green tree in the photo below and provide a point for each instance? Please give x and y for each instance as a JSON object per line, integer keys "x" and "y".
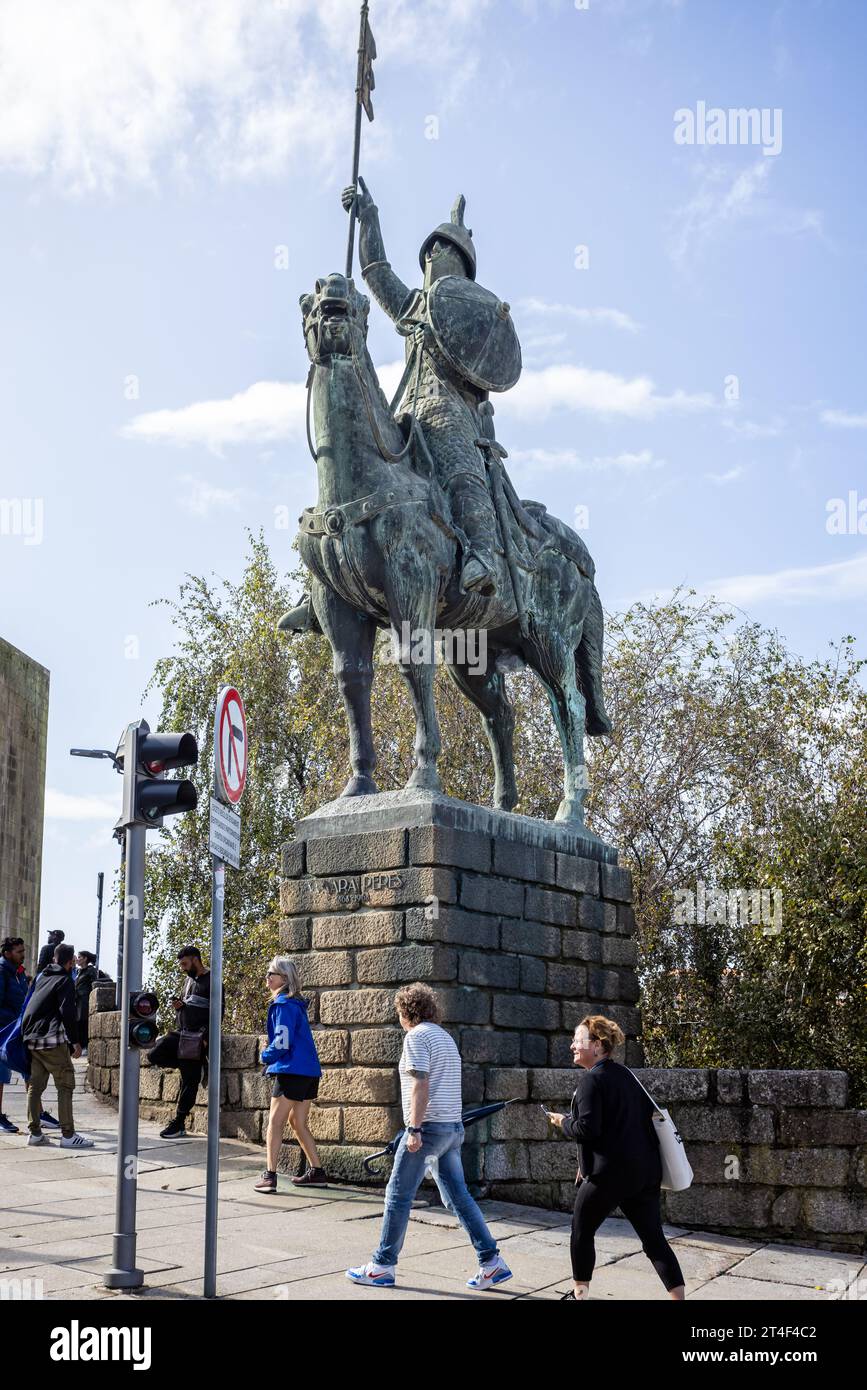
{"x": 733, "y": 764}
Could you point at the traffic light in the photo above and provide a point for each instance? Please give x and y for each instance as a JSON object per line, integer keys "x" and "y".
{"x": 148, "y": 795}
{"x": 143, "y": 1007}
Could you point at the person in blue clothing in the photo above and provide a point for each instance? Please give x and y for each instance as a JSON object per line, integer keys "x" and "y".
{"x": 13, "y": 992}
{"x": 292, "y": 1063}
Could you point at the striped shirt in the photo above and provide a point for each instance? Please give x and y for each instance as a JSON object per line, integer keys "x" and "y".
{"x": 429, "y": 1051}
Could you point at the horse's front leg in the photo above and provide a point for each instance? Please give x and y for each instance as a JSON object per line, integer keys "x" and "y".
{"x": 413, "y": 619}
{"x": 352, "y": 636}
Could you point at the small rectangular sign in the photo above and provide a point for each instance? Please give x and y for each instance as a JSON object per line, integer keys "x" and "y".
{"x": 225, "y": 836}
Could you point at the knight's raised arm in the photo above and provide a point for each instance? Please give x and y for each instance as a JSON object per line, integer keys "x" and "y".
{"x": 387, "y": 288}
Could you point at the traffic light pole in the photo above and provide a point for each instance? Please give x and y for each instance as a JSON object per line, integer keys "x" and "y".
{"x": 123, "y": 1273}
{"x": 215, "y": 1031}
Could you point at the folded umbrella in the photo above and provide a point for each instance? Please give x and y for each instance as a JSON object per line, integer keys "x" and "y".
{"x": 469, "y": 1117}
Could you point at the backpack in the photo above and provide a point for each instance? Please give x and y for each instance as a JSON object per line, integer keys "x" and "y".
{"x": 13, "y": 1051}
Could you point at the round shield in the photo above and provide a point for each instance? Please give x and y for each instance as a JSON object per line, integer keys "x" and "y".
{"x": 475, "y": 333}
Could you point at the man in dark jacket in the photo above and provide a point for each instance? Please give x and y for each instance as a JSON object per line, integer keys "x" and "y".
{"x": 191, "y": 1012}
{"x": 611, "y": 1121}
{"x": 50, "y": 1031}
{"x": 46, "y": 955}
{"x": 13, "y": 992}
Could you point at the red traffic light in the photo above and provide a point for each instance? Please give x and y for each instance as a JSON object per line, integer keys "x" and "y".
{"x": 143, "y": 1007}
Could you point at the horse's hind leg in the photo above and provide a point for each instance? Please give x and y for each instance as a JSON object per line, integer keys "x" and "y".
{"x": 554, "y": 663}
{"x": 351, "y": 635}
{"x": 412, "y": 612}
{"x": 487, "y": 690}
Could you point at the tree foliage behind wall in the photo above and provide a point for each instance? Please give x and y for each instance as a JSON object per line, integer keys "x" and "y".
{"x": 734, "y": 766}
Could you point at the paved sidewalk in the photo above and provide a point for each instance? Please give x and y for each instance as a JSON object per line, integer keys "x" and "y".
{"x": 57, "y": 1219}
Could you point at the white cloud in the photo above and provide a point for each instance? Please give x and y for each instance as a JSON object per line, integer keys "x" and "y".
{"x": 566, "y": 388}
{"x": 552, "y": 460}
{"x": 842, "y": 582}
{"x": 729, "y": 477}
{"x": 843, "y": 419}
{"x": 721, "y": 202}
{"x": 102, "y": 93}
{"x": 68, "y": 806}
{"x": 263, "y": 413}
{"x": 753, "y": 429}
{"x": 201, "y": 497}
{"x": 614, "y": 318}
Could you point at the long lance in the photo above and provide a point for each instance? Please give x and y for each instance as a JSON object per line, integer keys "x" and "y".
{"x": 356, "y": 153}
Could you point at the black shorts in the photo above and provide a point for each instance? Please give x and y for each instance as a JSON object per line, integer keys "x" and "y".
{"x": 291, "y": 1086}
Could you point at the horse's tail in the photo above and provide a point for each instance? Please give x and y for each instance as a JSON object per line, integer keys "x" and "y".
{"x": 588, "y": 662}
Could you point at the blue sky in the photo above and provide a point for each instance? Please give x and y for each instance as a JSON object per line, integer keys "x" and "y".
{"x": 155, "y": 161}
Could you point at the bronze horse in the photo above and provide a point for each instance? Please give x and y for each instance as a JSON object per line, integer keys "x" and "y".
{"x": 383, "y": 552}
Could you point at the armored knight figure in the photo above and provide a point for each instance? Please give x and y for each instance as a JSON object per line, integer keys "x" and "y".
{"x": 469, "y": 348}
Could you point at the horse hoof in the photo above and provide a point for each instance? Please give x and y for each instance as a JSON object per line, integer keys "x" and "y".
{"x": 427, "y": 778}
{"x": 359, "y": 786}
{"x": 570, "y": 812}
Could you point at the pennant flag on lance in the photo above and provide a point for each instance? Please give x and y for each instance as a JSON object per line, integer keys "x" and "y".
{"x": 366, "y": 55}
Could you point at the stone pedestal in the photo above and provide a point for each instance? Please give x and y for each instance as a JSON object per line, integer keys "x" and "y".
{"x": 521, "y": 926}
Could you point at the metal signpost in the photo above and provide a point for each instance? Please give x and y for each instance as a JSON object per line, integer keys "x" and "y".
{"x": 230, "y": 776}
{"x": 148, "y": 796}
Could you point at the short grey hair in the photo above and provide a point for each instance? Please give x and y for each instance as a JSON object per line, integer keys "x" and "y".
{"x": 282, "y": 965}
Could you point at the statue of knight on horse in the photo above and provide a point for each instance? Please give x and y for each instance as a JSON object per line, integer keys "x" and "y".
{"x": 417, "y": 526}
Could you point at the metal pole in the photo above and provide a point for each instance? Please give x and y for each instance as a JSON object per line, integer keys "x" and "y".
{"x": 350, "y": 249}
{"x": 121, "y": 919}
{"x": 124, "y": 1274}
{"x": 215, "y": 1030}
{"x": 100, "y": 879}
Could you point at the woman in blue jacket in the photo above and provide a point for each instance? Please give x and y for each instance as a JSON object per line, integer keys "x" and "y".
{"x": 292, "y": 1062}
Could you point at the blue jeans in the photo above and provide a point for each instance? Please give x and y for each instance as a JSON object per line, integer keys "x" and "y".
{"x": 441, "y": 1152}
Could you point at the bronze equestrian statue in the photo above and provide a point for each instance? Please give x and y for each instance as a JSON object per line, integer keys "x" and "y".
{"x": 417, "y": 526}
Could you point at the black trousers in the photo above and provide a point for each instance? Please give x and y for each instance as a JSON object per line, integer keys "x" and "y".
{"x": 164, "y": 1053}
{"x": 593, "y": 1204}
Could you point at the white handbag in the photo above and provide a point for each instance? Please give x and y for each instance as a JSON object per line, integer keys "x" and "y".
{"x": 677, "y": 1174}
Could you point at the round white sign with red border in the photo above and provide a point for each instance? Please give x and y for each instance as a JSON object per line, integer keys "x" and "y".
{"x": 230, "y": 746}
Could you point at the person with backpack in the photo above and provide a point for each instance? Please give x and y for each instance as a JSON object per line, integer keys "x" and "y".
{"x": 50, "y": 1030}
{"x": 292, "y": 1065}
{"x": 13, "y": 992}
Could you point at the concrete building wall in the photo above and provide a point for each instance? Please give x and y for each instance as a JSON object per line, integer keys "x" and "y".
{"x": 23, "y": 740}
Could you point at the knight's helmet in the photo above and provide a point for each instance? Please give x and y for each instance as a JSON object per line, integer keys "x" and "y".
{"x": 455, "y": 232}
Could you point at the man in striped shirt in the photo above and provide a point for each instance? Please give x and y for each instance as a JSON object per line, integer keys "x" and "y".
{"x": 430, "y": 1085}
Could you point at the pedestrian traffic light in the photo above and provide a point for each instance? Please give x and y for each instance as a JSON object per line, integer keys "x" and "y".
{"x": 143, "y": 1008}
{"x": 148, "y": 795}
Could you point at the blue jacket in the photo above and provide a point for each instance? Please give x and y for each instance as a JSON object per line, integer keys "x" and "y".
{"x": 290, "y": 1042}
{"x": 13, "y": 991}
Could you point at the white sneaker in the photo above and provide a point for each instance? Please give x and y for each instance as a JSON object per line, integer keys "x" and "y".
{"x": 76, "y": 1141}
{"x": 37, "y": 1139}
{"x": 490, "y": 1275}
{"x": 379, "y": 1276}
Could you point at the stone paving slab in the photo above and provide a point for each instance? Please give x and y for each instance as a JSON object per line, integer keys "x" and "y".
{"x": 296, "y": 1244}
{"x": 799, "y": 1265}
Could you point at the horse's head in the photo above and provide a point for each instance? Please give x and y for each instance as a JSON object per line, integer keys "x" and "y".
{"x": 331, "y": 315}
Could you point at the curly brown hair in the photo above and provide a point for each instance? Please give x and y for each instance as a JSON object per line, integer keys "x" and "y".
{"x": 603, "y": 1030}
{"x": 418, "y": 1003}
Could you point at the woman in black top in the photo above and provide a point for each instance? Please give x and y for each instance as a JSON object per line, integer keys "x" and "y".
{"x": 619, "y": 1156}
